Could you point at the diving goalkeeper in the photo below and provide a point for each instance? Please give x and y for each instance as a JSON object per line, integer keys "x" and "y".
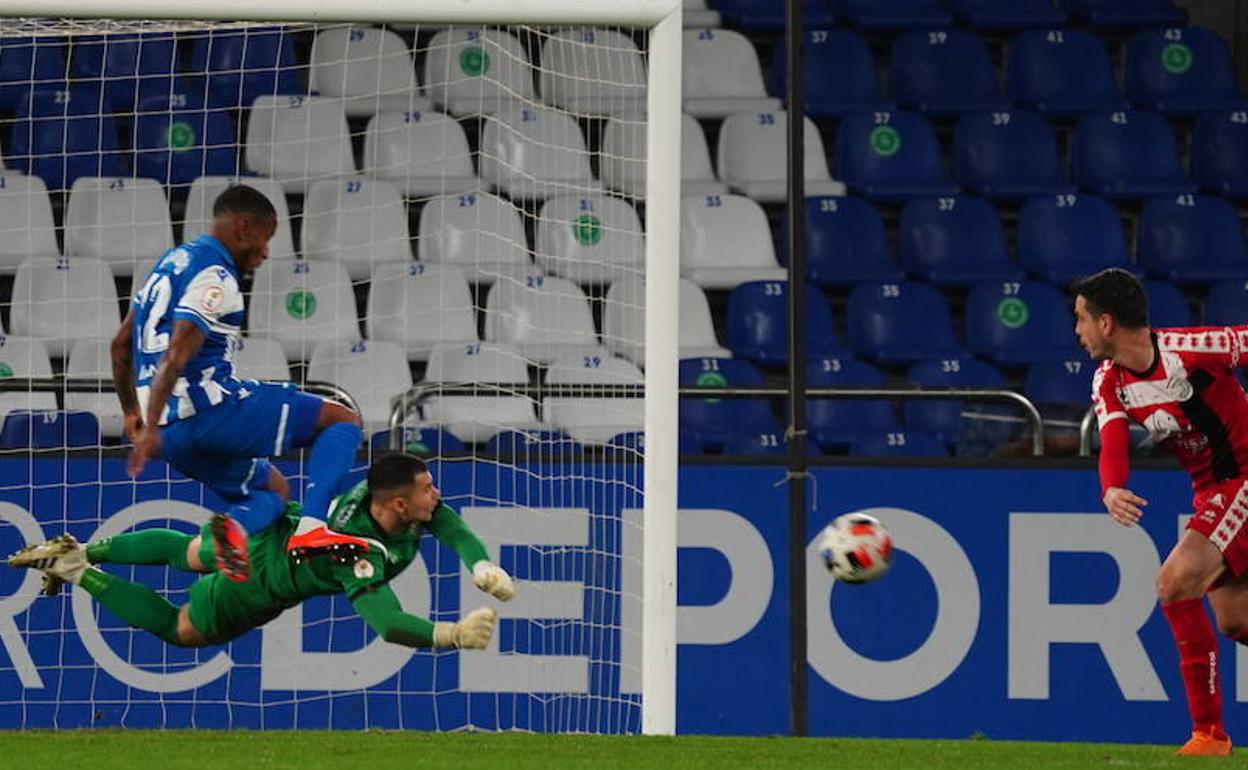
{"x": 373, "y": 533}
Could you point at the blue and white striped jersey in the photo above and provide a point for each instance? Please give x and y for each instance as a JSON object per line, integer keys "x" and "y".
{"x": 195, "y": 282}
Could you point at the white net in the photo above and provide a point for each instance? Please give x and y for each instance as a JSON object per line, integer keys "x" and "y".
{"x": 459, "y": 220}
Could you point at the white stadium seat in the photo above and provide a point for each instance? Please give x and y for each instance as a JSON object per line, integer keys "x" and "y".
{"x": 479, "y": 233}
{"x": 594, "y": 420}
{"x": 419, "y": 307}
{"x": 547, "y": 318}
{"x": 725, "y": 240}
{"x": 622, "y": 159}
{"x": 624, "y": 315}
{"x": 590, "y": 239}
{"x": 298, "y": 139}
{"x": 477, "y": 419}
{"x": 62, "y": 299}
{"x": 698, "y": 15}
{"x": 204, "y": 192}
{"x": 260, "y": 358}
{"x": 721, "y": 74}
{"x": 357, "y": 222}
{"x": 477, "y": 71}
{"x": 124, "y": 222}
{"x": 532, "y": 152}
{"x": 26, "y": 225}
{"x": 593, "y": 72}
{"x": 372, "y": 372}
{"x": 23, "y": 357}
{"x": 300, "y": 303}
{"x": 368, "y": 69}
{"x": 753, "y": 152}
{"x": 91, "y": 359}
{"x": 424, "y": 153}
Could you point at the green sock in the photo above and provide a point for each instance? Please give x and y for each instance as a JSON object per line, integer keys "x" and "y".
{"x": 136, "y": 604}
{"x": 147, "y": 546}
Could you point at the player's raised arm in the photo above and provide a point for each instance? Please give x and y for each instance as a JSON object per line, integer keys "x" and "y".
{"x": 381, "y": 610}
{"x": 186, "y": 341}
{"x": 450, "y": 528}
{"x": 123, "y": 375}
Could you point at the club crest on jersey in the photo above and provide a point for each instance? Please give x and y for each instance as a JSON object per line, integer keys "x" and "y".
{"x": 214, "y": 295}
{"x": 1161, "y": 425}
{"x": 363, "y": 569}
{"x": 1179, "y": 388}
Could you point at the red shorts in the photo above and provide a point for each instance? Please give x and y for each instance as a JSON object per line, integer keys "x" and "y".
{"x": 1221, "y": 515}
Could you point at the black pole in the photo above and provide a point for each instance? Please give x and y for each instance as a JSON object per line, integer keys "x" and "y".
{"x": 795, "y": 100}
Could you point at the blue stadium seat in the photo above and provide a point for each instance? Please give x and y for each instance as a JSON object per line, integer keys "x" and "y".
{"x": 28, "y": 62}
{"x": 845, "y": 243}
{"x": 1064, "y": 383}
{"x": 29, "y": 429}
{"x": 1181, "y": 71}
{"x": 521, "y": 443}
{"x": 954, "y": 241}
{"x": 711, "y": 422}
{"x": 1127, "y": 156}
{"x": 1167, "y": 307}
{"x": 1014, "y": 323}
{"x": 1191, "y": 239}
{"x": 769, "y": 444}
{"x": 131, "y": 67}
{"x": 841, "y": 76}
{"x": 758, "y": 326}
{"x": 63, "y": 134}
{"x": 1008, "y": 155}
{"x": 1008, "y": 14}
{"x": 177, "y": 144}
{"x": 1220, "y": 153}
{"x": 1227, "y": 303}
{"x": 899, "y": 323}
{"x": 1064, "y": 237}
{"x": 891, "y": 156}
{"x": 909, "y": 443}
{"x": 240, "y": 65}
{"x": 943, "y": 419}
{"x": 423, "y": 441}
{"x": 894, "y": 14}
{"x": 1125, "y": 13}
{"x": 944, "y": 72}
{"x": 834, "y": 423}
{"x": 1061, "y": 72}
{"x": 769, "y": 16}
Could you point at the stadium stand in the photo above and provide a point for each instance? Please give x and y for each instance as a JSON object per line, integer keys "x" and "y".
{"x": 944, "y": 72}
{"x": 477, "y": 71}
{"x": 707, "y": 424}
{"x": 1064, "y": 237}
{"x": 841, "y": 76}
{"x": 1061, "y": 72}
{"x": 608, "y": 58}
{"x": 594, "y": 420}
{"x": 1191, "y": 239}
{"x": 846, "y": 243}
{"x": 899, "y": 323}
{"x": 1007, "y": 14}
{"x": 27, "y": 228}
{"x": 954, "y": 241}
{"x": 725, "y": 240}
{"x": 942, "y": 418}
{"x": 752, "y": 151}
{"x": 1181, "y": 71}
{"x": 479, "y": 233}
{"x": 720, "y": 74}
{"x": 758, "y": 327}
{"x": 419, "y": 307}
{"x": 1220, "y": 153}
{"x": 1008, "y": 155}
{"x": 475, "y": 419}
{"x": 891, "y": 156}
{"x": 424, "y": 153}
{"x": 368, "y": 70}
{"x": 834, "y": 423}
{"x": 1127, "y": 156}
{"x": 593, "y": 239}
{"x": 1018, "y": 323}
{"x": 1125, "y": 13}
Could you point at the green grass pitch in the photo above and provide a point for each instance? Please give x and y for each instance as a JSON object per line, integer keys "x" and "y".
{"x": 243, "y": 750}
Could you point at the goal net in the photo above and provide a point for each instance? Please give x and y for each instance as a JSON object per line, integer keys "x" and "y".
{"x": 474, "y": 247}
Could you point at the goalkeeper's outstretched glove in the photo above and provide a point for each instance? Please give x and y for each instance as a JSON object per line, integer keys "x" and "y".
{"x": 471, "y": 633}
{"x": 494, "y": 580}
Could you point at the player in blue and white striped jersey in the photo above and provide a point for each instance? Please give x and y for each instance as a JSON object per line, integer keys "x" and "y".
{"x": 174, "y": 375}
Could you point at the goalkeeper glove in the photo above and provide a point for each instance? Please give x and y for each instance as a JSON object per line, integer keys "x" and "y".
{"x": 471, "y": 633}
{"x": 494, "y": 580}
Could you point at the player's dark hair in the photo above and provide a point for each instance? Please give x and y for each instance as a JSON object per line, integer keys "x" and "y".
{"x": 1118, "y": 293}
{"x": 394, "y": 471}
{"x": 241, "y": 199}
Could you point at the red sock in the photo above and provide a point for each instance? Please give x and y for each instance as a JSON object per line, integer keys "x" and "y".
{"x": 1198, "y": 662}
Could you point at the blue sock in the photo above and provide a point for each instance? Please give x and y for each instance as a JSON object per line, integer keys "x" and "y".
{"x": 329, "y": 463}
{"x": 257, "y": 511}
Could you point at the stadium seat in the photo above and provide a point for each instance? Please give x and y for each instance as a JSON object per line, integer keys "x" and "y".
{"x": 752, "y": 153}
{"x": 477, "y": 71}
{"x": 594, "y": 420}
{"x": 424, "y": 153}
{"x": 176, "y": 144}
{"x": 479, "y": 233}
{"x": 300, "y": 303}
{"x": 1013, "y": 323}
{"x": 593, "y": 72}
{"x": 720, "y": 74}
{"x": 1220, "y": 153}
{"x": 944, "y": 72}
{"x": 23, "y": 357}
{"x": 845, "y": 243}
{"x": 49, "y": 430}
{"x": 1064, "y": 237}
{"x": 530, "y": 152}
{"x": 357, "y": 222}
{"x": 475, "y": 419}
{"x": 63, "y": 134}
{"x": 26, "y": 226}
{"x": 372, "y": 372}
{"x": 1062, "y": 383}
{"x": 241, "y": 65}
{"x": 899, "y": 323}
{"x": 622, "y": 159}
{"x": 203, "y": 193}
{"x": 709, "y": 423}
{"x": 834, "y": 423}
{"x": 422, "y": 441}
{"x": 1181, "y": 72}
{"x": 841, "y": 76}
{"x": 725, "y": 240}
{"x": 61, "y": 299}
{"x": 942, "y": 418}
{"x": 1167, "y": 307}
{"x": 1191, "y": 239}
{"x": 696, "y": 14}
{"x": 26, "y": 63}
{"x": 298, "y": 139}
{"x": 891, "y": 156}
{"x": 1125, "y": 13}
{"x": 624, "y": 316}
{"x": 1007, "y": 14}
{"x": 769, "y": 16}
{"x": 1227, "y": 303}
{"x": 259, "y": 358}
{"x": 124, "y": 222}
{"x": 1061, "y": 72}
{"x": 547, "y": 318}
{"x": 591, "y": 239}
{"x": 130, "y": 67}
{"x": 1127, "y": 156}
{"x": 758, "y": 326}
{"x": 531, "y": 445}
{"x": 766, "y": 443}
{"x": 908, "y": 443}
{"x": 420, "y": 307}
{"x": 90, "y": 359}
{"x": 954, "y": 241}
{"x": 1008, "y": 155}
{"x": 369, "y": 70}
{"x": 894, "y": 14}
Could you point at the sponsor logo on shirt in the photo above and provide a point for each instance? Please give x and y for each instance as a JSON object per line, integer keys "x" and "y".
{"x": 363, "y": 569}
{"x": 214, "y": 295}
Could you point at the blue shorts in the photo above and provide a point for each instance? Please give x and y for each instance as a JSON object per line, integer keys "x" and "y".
{"x": 226, "y": 448}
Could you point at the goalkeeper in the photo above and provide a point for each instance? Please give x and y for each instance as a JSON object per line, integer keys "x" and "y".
{"x": 373, "y": 533}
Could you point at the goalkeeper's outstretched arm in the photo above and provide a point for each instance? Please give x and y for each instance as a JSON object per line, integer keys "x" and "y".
{"x": 382, "y": 612}
{"x": 450, "y": 528}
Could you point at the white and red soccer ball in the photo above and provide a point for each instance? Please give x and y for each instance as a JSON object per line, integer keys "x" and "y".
{"x": 856, "y": 548}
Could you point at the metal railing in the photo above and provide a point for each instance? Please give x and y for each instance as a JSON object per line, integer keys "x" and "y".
{"x": 1086, "y": 428}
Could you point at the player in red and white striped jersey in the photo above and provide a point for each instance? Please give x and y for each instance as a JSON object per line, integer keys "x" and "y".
{"x": 1180, "y": 385}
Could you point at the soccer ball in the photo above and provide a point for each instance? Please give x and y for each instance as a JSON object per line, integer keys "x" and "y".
{"x": 856, "y": 548}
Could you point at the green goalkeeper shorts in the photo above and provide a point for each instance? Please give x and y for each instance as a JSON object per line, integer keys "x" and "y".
{"x": 222, "y": 609}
